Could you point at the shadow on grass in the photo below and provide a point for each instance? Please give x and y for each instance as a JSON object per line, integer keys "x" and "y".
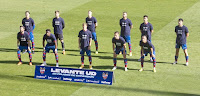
{"x": 25, "y": 78}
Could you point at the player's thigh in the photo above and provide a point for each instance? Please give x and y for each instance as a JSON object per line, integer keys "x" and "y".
{"x": 177, "y": 46}
{"x": 88, "y": 52}
{"x": 60, "y": 37}
{"x": 184, "y": 46}
{"x": 47, "y": 49}
{"x": 128, "y": 39}
{"x": 117, "y": 51}
{"x": 94, "y": 36}
{"x": 82, "y": 51}
{"x": 122, "y": 50}
{"x": 31, "y": 36}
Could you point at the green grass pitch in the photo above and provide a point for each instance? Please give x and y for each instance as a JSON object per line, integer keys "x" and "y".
{"x": 173, "y": 80}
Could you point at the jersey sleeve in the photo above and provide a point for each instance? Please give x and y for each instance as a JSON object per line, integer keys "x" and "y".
{"x": 54, "y": 38}
{"x": 175, "y": 30}
{"x": 140, "y": 43}
{"x": 113, "y": 41}
{"x": 27, "y": 36}
{"x": 18, "y": 36}
{"x": 79, "y": 34}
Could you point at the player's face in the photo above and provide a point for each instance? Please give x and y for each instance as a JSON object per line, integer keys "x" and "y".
{"x": 144, "y": 39}
{"x": 124, "y": 15}
{"x": 84, "y": 27}
{"x": 145, "y": 19}
{"x": 21, "y": 29}
{"x": 89, "y": 14}
{"x": 180, "y": 23}
{"x": 116, "y": 36}
{"x": 48, "y": 33}
{"x": 57, "y": 14}
{"x": 27, "y": 14}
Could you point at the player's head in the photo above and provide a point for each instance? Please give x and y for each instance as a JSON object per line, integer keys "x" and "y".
{"x": 57, "y": 13}
{"x": 21, "y": 28}
{"x": 145, "y": 18}
{"x": 84, "y": 26}
{"x": 48, "y": 32}
{"x": 144, "y": 38}
{"x": 180, "y": 22}
{"x": 89, "y": 13}
{"x": 124, "y": 14}
{"x": 116, "y": 35}
{"x": 27, "y": 14}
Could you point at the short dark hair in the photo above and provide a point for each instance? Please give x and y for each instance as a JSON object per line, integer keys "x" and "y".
{"x": 125, "y": 12}
{"x": 180, "y": 19}
{"x": 145, "y": 16}
{"x": 116, "y": 32}
{"x": 48, "y": 30}
{"x": 27, "y": 12}
{"x": 144, "y": 36}
{"x": 22, "y": 26}
{"x": 57, "y": 11}
{"x": 84, "y": 24}
{"x": 89, "y": 10}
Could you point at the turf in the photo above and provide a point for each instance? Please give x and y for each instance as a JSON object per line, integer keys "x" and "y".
{"x": 170, "y": 79}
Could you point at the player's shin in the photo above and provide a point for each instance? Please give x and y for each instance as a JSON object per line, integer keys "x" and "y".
{"x": 19, "y": 55}
{"x": 96, "y": 44}
{"x": 115, "y": 62}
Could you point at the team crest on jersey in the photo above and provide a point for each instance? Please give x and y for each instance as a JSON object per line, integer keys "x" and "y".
{"x": 105, "y": 75}
{"x": 42, "y": 70}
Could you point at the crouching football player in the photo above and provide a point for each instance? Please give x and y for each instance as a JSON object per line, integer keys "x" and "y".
{"x": 119, "y": 45}
{"x": 23, "y": 43}
{"x": 51, "y": 45}
{"x": 147, "y": 47}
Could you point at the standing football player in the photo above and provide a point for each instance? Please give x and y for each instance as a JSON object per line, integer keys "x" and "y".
{"x": 126, "y": 26}
{"x": 23, "y": 43}
{"x": 84, "y": 42}
{"x": 51, "y": 45}
{"x": 92, "y": 24}
{"x": 29, "y": 25}
{"x": 147, "y": 47}
{"x": 119, "y": 45}
{"x": 182, "y": 34}
{"x": 59, "y": 24}
{"x": 146, "y": 28}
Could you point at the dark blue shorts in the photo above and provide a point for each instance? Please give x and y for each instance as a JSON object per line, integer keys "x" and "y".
{"x": 184, "y": 46}
{"x": 117, "y": 51}
{"x": 83, "y": 50}
{"x": 48, "y": 48}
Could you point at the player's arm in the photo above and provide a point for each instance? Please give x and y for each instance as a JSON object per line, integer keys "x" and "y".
{"x": 29, "y": 45}
{"x": 90, "y": 43}
{"x": 187, "y": 34}
{"x": 151, "y": 28}
{"x": 113, "y": 47}
{"x": 96, "y": 24}
{"x": 63, "y": 23}
{"x": 124, "y": 45}
{"x": 142, "y": 51}
{"x": 152, "y": 52}
{"x": 33, "y": 23}
{"x": 53, "y": 23}
{"x": 152, "y": 31}
{"x": 131, "y": 26}
{"x": 17, "y": 43}
{"x": 79, "y": 44}
{"x": 43, "y": 43}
